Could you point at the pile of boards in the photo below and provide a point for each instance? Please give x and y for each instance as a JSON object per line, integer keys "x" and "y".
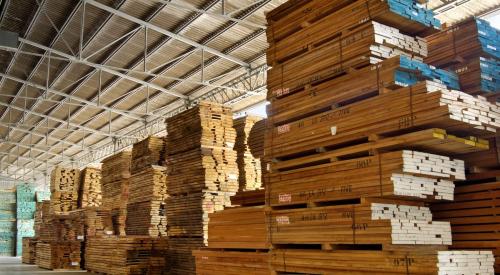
{"x": 202, "y": 176}
{"x": 7, "y": 222}
{"x": 115, "y": 183}
{"x": 64, "y": 188}
{"x": 29, "y": 250}
{"x": 90, "y": 188}
{"x": 150, "y": 151}
{"x": 118, "y": 255}
{"x": 25, "y": 214}
{"x": 249, "y": 131}
{"x": 361, "y": 138}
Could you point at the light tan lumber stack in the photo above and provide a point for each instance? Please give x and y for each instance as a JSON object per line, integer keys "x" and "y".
{"x": 29, "y": 250}
{"x": 202, "y": 176}
{"x": 64, "y": 186}
{"x": 119, "y": 255}
{"x": 58, "y": 256}
{"x": 146, "y": 213}
{"x": 90, "y": 188}
{"x": 115, "y": 183}
{"x": 150, "y": 151}
{"x": 249, "y": 163}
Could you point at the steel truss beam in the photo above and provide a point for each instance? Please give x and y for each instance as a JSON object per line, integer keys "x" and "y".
{"x": 167, "y": 33}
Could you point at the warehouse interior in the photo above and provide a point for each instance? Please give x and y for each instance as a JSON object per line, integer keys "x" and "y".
{"x": 238, "y": 136}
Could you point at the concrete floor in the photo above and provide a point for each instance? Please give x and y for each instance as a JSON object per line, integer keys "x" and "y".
{"x": 13, "y": 266}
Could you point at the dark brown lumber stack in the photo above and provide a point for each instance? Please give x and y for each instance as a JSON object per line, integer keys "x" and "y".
{"x": 120, "y": 255}
{"x": 64, "y": 187}
{"x": 150, "y": 151}
{"x": 115, "y": 184}
{"x": 248, "y": 158}
{"x": 180, "y": 258}
{"x": 146, "y": 213}
{"x": 90, "y": 188}
{"x": 29, "y": 250}
{"x": 57, "y": 255}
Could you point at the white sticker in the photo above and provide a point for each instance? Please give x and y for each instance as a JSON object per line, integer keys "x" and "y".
{"x": 333, "y": 130}
{"x": 268, "y": 167}
{"x": 283, "y": 220}
{"x": 285, "y": 197}
{"x": 75, "y": 263}
{"x": 233, "y": 177}
{"x": 204, "y": 258}
{"x": 230, "y": 144}
{"x": 80, "y": 238}
{"x": 109, "y": 232}
{"x": 281, "y": 92}
{"x": 283, "y": 129}
{"x": 491, "y": 47}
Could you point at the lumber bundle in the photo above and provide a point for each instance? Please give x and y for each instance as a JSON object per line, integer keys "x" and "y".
{"x": 474, "y": 217}
{"x": 249, "y": 198}
{"x": 468, "y": 39}
{"x": 479, "y": 76}
{"x": 150, "y": 151}
{"x": 7, "y": 222}
{"x": 115, "y": 188}
{"x": 383, "y": 223}
{"x": 29, "y": 250}
{"x": 216, "y": 262}
{"x": 57, "y": 255}
{"x": 26, "y": 208}
{"x": 188, "y": 214}
{"x": 64, "y": 187}
{"x": 410, "y": 174}
{"x": 97, "y": 221}
{"x": 90, "y": 188}
{"x": 239, "y": 228}
{"x": 180, "y": 258}
{"x": 148, "y": 185}
{"x": 381, "y": 262}
{"x": 249, "y": 165}
{"x": 126, "y": 255}
{"x": 426, "y": 104}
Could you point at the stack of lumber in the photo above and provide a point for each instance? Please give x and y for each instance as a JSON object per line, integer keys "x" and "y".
{"x": 381, "y": 262}
{"x": 146, "y": 213}
{"x": 42, "y": 196}
{"x": 249, "y": 198}
{"x": 90, "y": 188}
{"x": 117, "y": 255}
{"x": 64, "y": 186}
{"x": 202, "y": 176}
{"x": 57, "y": 255}
{"x": 43, "y": 220}
{"x": 26, "y": 208}
{"x": 474, "y": 217}
{"x": 150, "y": 151}
{"x": 7, "y": 222}
{"x": 97, "y": 221}
{"x": 29, "y": 250}
{"x": 114, "y": 184}
{"x": 231, "y": 262}
{"x": 249, "y": 165}
{"x": 471, "y": 49}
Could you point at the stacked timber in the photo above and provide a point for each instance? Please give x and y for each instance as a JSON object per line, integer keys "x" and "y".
{"x": 146, "y": 213}
{"x": 202, "y": 176}
{"x": 97, "y": 222}
{"x": 7, "y": 222}
{"x": 29, "y": 250}
{"x": 474, "y": 216}
{"x": 64, "y": 186}
{"x": 249, "y": 165}
{"x": 150, "y": 151}
{"x": 231, "y": 262}
{"x": 26, "y": 208}
{"x": 90, "y": 188}
{"x": 361, "y": 136}
{"x": 471, "y": 49}
{"x": 126, "y": 255}
{"x": 57, "y": 255}
{"x": 114, "y": 183}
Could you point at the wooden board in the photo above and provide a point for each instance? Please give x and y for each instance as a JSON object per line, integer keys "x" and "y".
{"x": 150, "y": 151}
{"x": 90, "y": 188}
{"x": 249, "y": 198}
{"x": 238, "y": 228}
{"x": 216, "y": 262}
{"x": 126, "y": 255}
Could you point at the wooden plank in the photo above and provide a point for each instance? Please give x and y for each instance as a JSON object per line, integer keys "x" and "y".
{"x": 216, "y": 262}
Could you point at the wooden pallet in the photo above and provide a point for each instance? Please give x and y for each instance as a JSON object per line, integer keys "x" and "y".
{"x": 238, "y": 228}
{"x": 249, "y": 159}
{"x": 58, "y": 255}
{"x": 150, "y": 151}
{"x": 29, "y": 250}
{"x": 359, "y": 262}
{"x": 217, "y": 262}
{"x": 474, "y": 216}
{"x": 399, "y": 174}
{"x": 90, "y": 188}
{"x": 126, "y": 255}
{"x": 406, "y": 109}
